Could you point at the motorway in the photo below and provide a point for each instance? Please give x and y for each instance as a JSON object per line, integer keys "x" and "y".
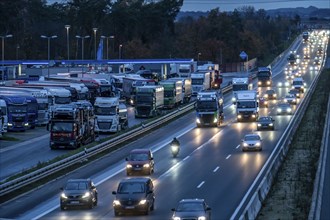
{"x": 211, "y": 165}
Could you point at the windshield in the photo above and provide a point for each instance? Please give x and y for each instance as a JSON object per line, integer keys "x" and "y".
{"x": 263, "y": 74}
{"x": 62, "y": 100}
{"x": 17, "y": 109}
{"x": 297, "y": 83}
{"x": 252, "y": 138}
{"x": 197, "y": 81}
{"x": 168, "y": 93}
{"x": 264, "y": 119}
{"x": 3, "y": 110}
{"x": 76, "y": 186}
{"x": 62, "y": 126}
{"x": 32, "y": 107}
{"x": 105, "y": 110}
{"x": 190, "y": 206}
{"x": 240, "y": 87}
{"x": 206, "y": 104}
{"x": 139, "y": 157}
{"x": 42, "y": 106}
{"x": 246, "y": 104}
{"x": 131, "y": 188}
{"x": 140, "y": 98}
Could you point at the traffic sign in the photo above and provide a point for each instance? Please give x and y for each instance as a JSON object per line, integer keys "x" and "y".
{"x": 243, "y": 55}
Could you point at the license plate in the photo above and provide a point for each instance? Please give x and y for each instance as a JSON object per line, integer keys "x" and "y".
{"x": 74, "y": 202}
{"x": 138, "y": 168}
{"x": 129, "y": 207}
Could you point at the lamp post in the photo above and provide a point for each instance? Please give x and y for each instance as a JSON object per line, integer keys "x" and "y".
{"x": 17, "y": 48}
{"x": 67, "y": 40}
{"x": 48, "y": 38}
{"x": 120, "y": 46}
{"x": 82, "y": 44}
{"x": 199, "y": 54}
{"x": 109, "y": 37}
{"x": 3, "y": 53}
{"x": 95, "y": 30}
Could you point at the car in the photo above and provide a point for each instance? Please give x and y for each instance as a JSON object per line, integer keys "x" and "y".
{"x": 270, "y": 94}
{"x": 265, "y": 122}
{"x": 263, "y": 102}
{"x": 284, "y": 109}
{"x": 251, "y": 142}
{"x": 135, "y": 194}
{"x": 78, "y": 192}
{"x": 295, "y": 92}
{"x": 298, "y": 84}
{"x": 140, "y": 161}
{"x": 291, "y": 99}
{"x": 283, "y": 84}
{"x": 191, "y": 209}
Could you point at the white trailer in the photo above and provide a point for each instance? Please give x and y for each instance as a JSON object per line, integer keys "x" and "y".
{"x": 200, "y": 81}
{"x": 3, "y": 112}
{"x": 186, "y": 88}
{"x": 107, "y": 112}
{"x": 240, "y": 84}
{"x": 247, "y": 106}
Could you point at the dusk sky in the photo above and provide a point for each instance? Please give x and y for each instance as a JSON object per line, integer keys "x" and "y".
{"x": 230, "y": 5}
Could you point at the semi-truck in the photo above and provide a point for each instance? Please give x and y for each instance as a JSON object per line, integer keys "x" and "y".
{"x": 239, "y": 84}
{"x": 72, "y": 125}
{"x": 200, "y": 80}
{"x": 107, "y": 113}
{"x": 4, "y": 114}
{"x": 149, "y": 101}
{"x": 216, "y": 77}
{"x": 186, "y": 88}
{"x": 264, "y": 76}
{"x": 209, "y": 108}
{"x": 247, "y": 106}
{"x": 172, "y": 93}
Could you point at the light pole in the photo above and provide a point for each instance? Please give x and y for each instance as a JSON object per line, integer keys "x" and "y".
{"x": 95, "y": 30}
{"x": 48, "y": 38}
{"x": 198, "y": 56}
{"x": 17, "y": 48}
{"x": 120, "y": 46}
{"x": 109, "y": 37}
{"x": 82, "y": 44}
{"x": 3, "y": 53}
{"x": 67, "y": 40}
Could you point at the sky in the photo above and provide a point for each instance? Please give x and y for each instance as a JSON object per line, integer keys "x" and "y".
{"x": 230, "y": 5}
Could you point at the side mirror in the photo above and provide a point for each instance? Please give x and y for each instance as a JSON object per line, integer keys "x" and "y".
{"x": 151, "y": 158}
{"x": 173, "y": 209}
{"x": 61, "y": 189}
{"x": 93, "y": 187}
{"x": 114, "y": 192}
{"x": 208, "y": 209}
{"x": 126, "y": 158}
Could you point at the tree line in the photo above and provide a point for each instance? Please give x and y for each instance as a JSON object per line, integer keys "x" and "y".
{"x": 143, "y": 28}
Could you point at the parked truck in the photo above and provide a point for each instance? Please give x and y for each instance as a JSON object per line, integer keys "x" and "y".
{"x": 264, "y": 76}
{"x": 149, "y": 101}
{"x": 200, "y": 80}
{"x": 71, "y": 125}
{"x": 3, "y": 112}
{"x": 172, "y": 93}
{"x": 209, "y": 108}
{"x": 247, "y": 106}
{"x": 239, "y": 84}
{"x": 186, "y": 88}
{"x": 107, "y": 113}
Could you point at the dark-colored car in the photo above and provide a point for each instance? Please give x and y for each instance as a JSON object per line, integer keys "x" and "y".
{"x": 263, "y": 102}
{"x": 270, "y": 94}
{"x": 295, "y": 92}
{"x": 78, "y": 192}
{"x": 140, "y": 161}
{"x": 192, "y": 209}
{"x": 134, "y": 194}
{"x": 265, "y": 123}
{"x": 291, "y": 99}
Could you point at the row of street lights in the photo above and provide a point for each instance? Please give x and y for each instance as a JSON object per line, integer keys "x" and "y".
{"x": 3, "y": 52}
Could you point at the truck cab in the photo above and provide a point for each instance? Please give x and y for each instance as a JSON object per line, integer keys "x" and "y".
{"x": 247, "y": 106}
{"x": 107, "y": 113}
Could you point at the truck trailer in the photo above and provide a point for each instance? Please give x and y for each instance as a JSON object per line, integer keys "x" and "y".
{"x": 149, "y": 101}
{"x": 172, "y": 93}
{"x": 107, "y": 113}
{"x": 247, "y": 106}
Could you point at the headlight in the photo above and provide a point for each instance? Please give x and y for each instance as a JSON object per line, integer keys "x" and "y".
{"x": 271, "y": 124}
{"x": 259, "y": 83}
{"x": 198, "y": 121}
{"x": 285, "y": 100}
{"x": 142, "y": 202}
{"x": 245, "y": 144}
{"x": 201, "y": 218}
{"x": 26, "y": 124}
{"x": 215, "y": 120}
{"x": 258, "y": 144}
{"x": 128, "y": 166}
{"x": 146, "y": 165}
{"x": 64, "y": 196}
{"x": 268, "y": 83}
{"x": 259, "y": 125}
{"x": 266, "y": 95}
{"x": 239, "y": 116}
{"x": 289, "y": 109}
{"x": 115, "y": 202}
{"x": 9, "y": 124}
{"x": 176, "y": 218}
{"x": 86, "y": 195}
{"x": 253, "y": 116}
{"x": 233, "y": 99}
{"x": 279, "y": 110}
{"x": 274, "y": 95}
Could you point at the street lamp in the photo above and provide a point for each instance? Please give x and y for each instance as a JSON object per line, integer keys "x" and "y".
{"x": 95, "y": 29}
{"x": 48, "y": 38}
{"x": 198, "y": 56}
{"x": 67, "y": 40}
{"x": 109, "y": 37}
{"x": 82, "y": 44}
{"x": 120, "y": 46}
{"x": 3, "y": 53}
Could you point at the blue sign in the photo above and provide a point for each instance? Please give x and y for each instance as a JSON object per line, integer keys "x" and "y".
{"x": 243, "y": 55}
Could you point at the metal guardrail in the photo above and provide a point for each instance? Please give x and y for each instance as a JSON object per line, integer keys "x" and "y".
{"x": 252, "y": 201}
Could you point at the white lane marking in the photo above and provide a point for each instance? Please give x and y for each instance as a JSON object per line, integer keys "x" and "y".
{"x": 238, "y": 146}
{"x": 186, "y": 158}
{"x": 216, "y": 169}
{"x": 228, "y": 156}
{"x": 201, "y": 184}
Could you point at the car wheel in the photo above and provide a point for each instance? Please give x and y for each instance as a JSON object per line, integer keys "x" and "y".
{"x": 146, "y": 212}
{"x": 95, "y": 202}
{"x": 90, "y": 205}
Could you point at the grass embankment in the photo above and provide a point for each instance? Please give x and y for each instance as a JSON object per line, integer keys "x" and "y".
{"x": 291, "y": 194}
